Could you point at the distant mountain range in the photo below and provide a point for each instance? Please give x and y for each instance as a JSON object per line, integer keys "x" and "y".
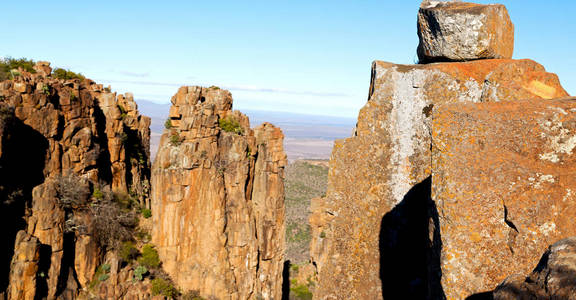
{"x": 307, "y": 136}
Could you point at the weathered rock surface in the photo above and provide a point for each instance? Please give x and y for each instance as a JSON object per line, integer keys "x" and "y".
{"x": 461, "y": 31}
{"x": 503, "y": 181}
{"x": 370, "y": 233}
{"x": 49, "y": 128}
{"x": 553, "y": 278}
{"x": 218, "y": 199}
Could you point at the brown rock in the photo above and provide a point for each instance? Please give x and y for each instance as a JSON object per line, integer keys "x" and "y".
{"x": 460, "y": 31}
{"x": 368, "y": 237}
{"x": 24, "y": 267}
{"x": 502, "y": 182}
{"x": 50, "y": 128}
{"x": 218, "y": 199}
{"x": 553, "y": 278}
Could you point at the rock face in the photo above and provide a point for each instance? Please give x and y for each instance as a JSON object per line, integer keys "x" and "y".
{"x": 460, "y": 31}
{"x": 50, "y": 128}
{"x": 218, "y": 199}
{"x": 370, "y": 234}
{"x": 553, "y": 278}
{"x": 503, "y": 181}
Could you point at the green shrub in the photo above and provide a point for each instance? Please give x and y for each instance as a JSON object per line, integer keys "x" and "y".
{"x": 140, "y": 272}
{"x": 123, "y": 112}
{"x": 97, "y": 194}
{"x": 230, "y": 124}
{"x": 46, "y": 89}
{"x": 66, "y": 74}
{"x": 175, "y": 139}
{"x": 168, "y": 124}
{"x": 105, "y": 267}
{"x": 146, "y": 213}
{"x": 163, "y": 287}
{"x": 149, "y": 257}
{"x": 8, "y": 64}
{"x": 128, "y": 251}
{"x": 301, "y": 292}
{"x": 103, "y": 277}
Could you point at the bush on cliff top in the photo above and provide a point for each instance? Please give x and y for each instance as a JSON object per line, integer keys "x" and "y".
{"x": 230, "y": 124}
{"x": 66, "y": 74}
{"x": 7, "y": 64}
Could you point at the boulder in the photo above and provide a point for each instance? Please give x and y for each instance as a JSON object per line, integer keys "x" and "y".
{"x": 503, "y": 183}
{"x": 461, "y": 31}
{"x": 370, "y": 235}
{"x": 553, "y": 278}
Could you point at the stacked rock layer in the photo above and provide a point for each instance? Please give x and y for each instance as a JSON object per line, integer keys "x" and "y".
{"x": 50, "y": 128}
{"x": 218, "y": 199}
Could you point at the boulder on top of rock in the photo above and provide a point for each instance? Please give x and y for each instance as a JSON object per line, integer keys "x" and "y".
{"x": 461, "y": 31}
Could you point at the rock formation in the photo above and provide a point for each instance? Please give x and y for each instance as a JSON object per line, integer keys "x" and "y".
{"x": 378, "y": 178}
{"x": 553, "y": 278}
{"x": 376, "y": 233}
{"x": 503, "y": 181}
{"x": 51, "y": 129}
{"x": 460, "y": 31}
{"x": 218, "y": 199}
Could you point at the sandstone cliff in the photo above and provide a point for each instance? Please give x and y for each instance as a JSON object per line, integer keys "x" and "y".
{"x": 218, "y": 199}
{"x": 377, "y": 232}
{"x": 60, "y": 140}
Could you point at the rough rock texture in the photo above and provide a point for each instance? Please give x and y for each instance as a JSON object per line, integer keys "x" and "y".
{"x": 218, "y": 199}
{"x": 50, "y": 128}
{"x": 370, "y": 233}
{"x": 24, "y": 267}
{"x": 503, "y": 181}
{"x": 460, "y": 31}
{"x": 553, "y": 278}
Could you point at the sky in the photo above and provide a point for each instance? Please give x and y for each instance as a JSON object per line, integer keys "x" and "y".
{"x": 311, "y": 57}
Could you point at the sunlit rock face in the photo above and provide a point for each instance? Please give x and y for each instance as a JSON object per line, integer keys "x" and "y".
{"x": 218, "y": 199}
{"x": 503, "y": 181}
{"x": 51, "y": 127}
{"x": 371, "y": 233}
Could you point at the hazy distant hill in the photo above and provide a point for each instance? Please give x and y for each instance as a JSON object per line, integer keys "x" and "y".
{"x": 307, "y": 136}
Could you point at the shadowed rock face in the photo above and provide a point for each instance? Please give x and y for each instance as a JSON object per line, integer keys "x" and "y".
{"x": 48, "y": 128}
{"x": 553, "y": 278}
{"x": 218, "y": 199}
{"x": 503, "y": 181}
{"x": 377, "y": 179}
{"x": 460, "y": 31}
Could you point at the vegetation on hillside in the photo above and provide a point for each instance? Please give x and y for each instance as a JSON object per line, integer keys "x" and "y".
{"x": 304, "y": 180}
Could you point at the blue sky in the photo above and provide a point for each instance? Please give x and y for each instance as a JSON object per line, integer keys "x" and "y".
{"x": 300, "y": 56}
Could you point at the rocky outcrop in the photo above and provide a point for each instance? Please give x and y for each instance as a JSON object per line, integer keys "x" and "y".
{"x": 371, "y": 217}
{"x": 218, "y": 199}
{"x": 553, "y": 278}
{"x": 503, "y": 180}
{"x": 50, "y": 129}
{"x": 460, "y": 31}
